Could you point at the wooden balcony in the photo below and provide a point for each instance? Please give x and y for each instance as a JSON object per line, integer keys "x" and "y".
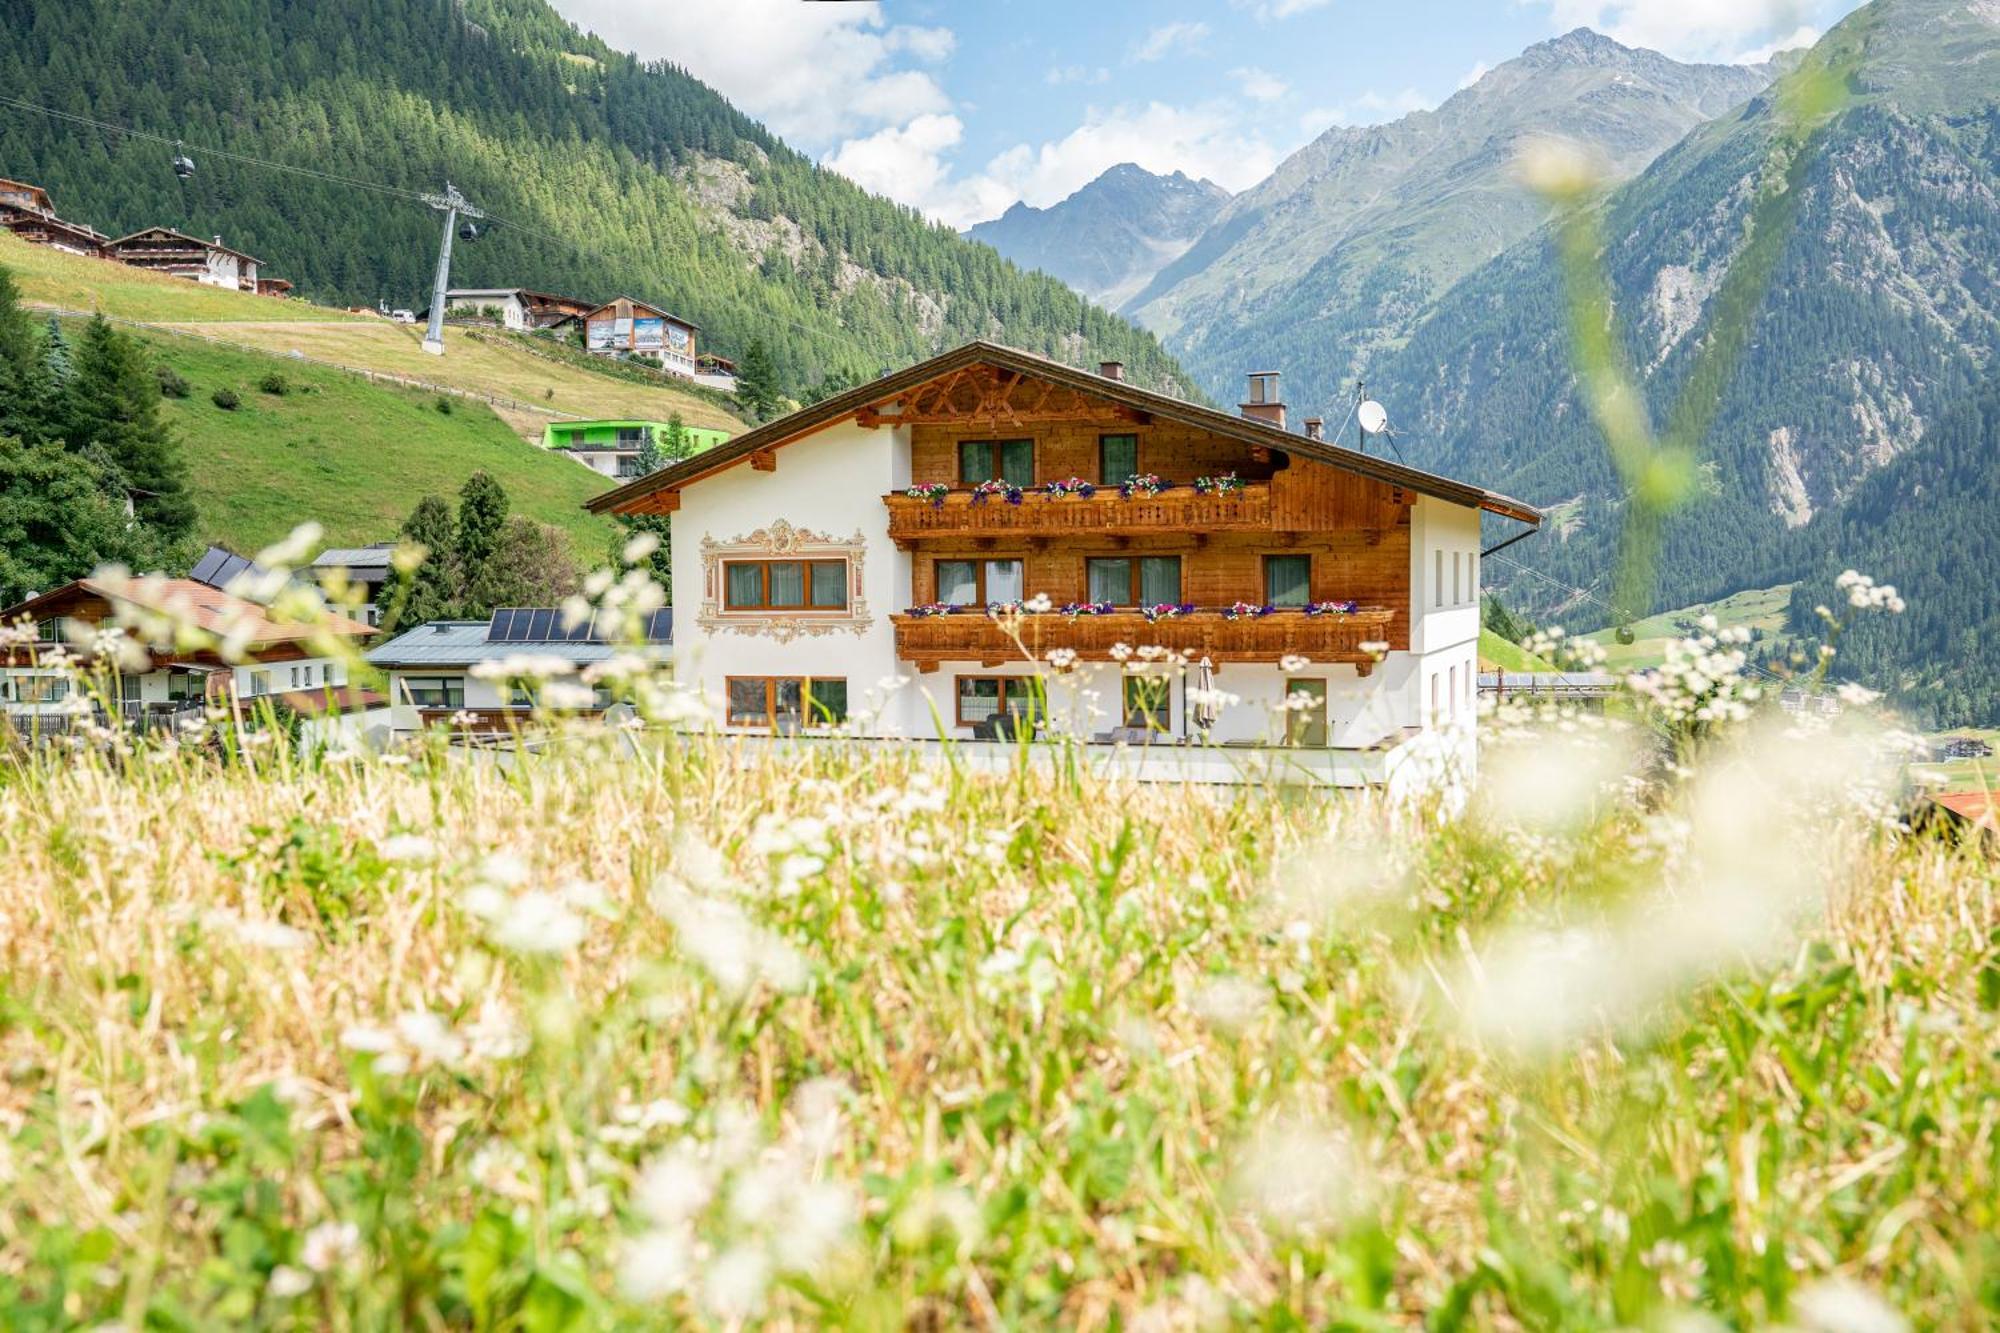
{"x": 1039, "y": 515}
{"x": 974, "y": 636}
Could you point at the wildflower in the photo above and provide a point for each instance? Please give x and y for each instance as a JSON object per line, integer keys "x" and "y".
{"x": 1301, "y": 1176}
{"x": 734, "y": 1285}
{"x": 294, "y": 549}
{"x": 1558, "y": 168}
{"x": 1120, "y": 651}
{"x": 430, "y": 1037}
{"x": 1038, "y": 605}
{"x": 286, "y": 1282}
{"x": 329, "y": 1245}
{"x": 639, "y": 548}
{"x": 1856, "y": 695}
{"x": 1375, "y": 648}
{"x": 1837, "y": 1305}
{"x": 1062, "y": 659}
{"x": 1293, "y": 663}
{"x": 536, "y": 922}
{"x": 656, "y": 1265}
{"x": 409, "y": 848}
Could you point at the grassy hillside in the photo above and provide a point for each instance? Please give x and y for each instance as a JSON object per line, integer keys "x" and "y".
{"x": 487, "y": 365}
{"x": 1754, "y": 608}
{"x": 351, "y": 454}
{"x": 1498, "y": 654}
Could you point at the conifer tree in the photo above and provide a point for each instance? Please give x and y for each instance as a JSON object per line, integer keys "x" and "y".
{"x": 56, "y": 356}
{"x": 112, "y": 415}
{"x": 431, "y": 592}
{"x": 23, "y": 379}
{"x": 757, "y": 382}
{"x": 482, "y": 522}
{"x": 57, "y": 521}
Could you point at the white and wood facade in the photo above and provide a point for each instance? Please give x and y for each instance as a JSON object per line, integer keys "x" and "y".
{"x": 871, "y": 537}
{"x": 627, "y": 327}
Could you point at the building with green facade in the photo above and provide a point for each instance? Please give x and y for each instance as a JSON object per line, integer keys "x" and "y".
{"x": 612, "y": 447}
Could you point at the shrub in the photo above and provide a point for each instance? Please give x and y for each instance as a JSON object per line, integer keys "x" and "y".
{"x": 444, "y": 406}
{"x": 226, "y": 399}
{"x": 172, "y": 384}
{"x": 275, "y": 384}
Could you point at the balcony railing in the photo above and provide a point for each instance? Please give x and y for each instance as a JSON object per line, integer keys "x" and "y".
{"x": 1041, "y": 515}
{"x": 974, "y": 636}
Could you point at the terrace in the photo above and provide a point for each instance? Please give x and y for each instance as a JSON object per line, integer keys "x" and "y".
{"x": 928, "y": 641}
{"x": 964, "y": 513}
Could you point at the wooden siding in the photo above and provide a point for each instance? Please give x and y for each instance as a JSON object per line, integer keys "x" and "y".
{"x": 1069, "y": 449}
{"x": 930, "y": 641}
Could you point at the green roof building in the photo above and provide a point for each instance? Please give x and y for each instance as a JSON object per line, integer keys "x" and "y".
{"x": 612, "y": 447}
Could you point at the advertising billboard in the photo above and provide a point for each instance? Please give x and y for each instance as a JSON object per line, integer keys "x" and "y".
{"x": 649, "y": 335}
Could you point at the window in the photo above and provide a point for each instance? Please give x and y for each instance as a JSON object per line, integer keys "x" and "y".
{"x": 786, "y": 702}
{"x": 1306, "y": 726}
{"x": 979, "y": 582}
{"x": 1457, "y": 588}
{"x": 1011, "y": 461}
{"x": 260, "y": 683}
{"x": 785, "y": 585}
{"x": 1288, "y": 580}
{"x": 436, "y": 691}
{"x": 1454, "y": 692}
{"x": 628, "y": 466}
{"x": 185, "y": 688}
{"x": 40, "y": 689}
{"x": 1117, "y": 459}
{"x": 523, "y": 695}
{"x": 1437, "y": 584}
{"x": 983, "y": 698}
{"x": 1434, "y": 697}
{"x": 51, "y": 631}
{"x": 1134, "y": 580}
{"x": 1146, "y": 700}
{"x": 631, "y": 437}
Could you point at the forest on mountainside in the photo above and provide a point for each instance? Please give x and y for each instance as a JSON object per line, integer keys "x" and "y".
{"x": 607, "y": 175}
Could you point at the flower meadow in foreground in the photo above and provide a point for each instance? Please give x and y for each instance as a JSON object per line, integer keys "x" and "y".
{"x": 1673, "y": 1024}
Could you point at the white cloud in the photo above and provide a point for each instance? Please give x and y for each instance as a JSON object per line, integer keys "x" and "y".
{"x": 1807, "y": 35}
{"x": 1373, "y": 107}
{"x": 1280, "y": 9}
{"x": 1164, "y": 40}
{"x": 1474, "y": 75}
{"x": 1083, "y": 74}
{"x": 1684, "y": 29}
{"x": 911, "y": 163}
{"x": 813, "y": 73}
{"x": 1259, "y": 85}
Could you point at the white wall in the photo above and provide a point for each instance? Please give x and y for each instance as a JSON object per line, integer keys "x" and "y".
{"x": 831, "y": 484}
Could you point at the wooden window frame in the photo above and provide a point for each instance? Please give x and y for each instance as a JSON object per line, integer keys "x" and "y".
{"x": 806, "y": 563}
{"x": 445, "y": 684}
{"x": 1104, "y": 477}
{"x": 807, "y": 718}
{"x": 1265, "y": 569}
{"x": 992, "y": 446}
{"x": 979, "y": 563}
{"x": 1007, "y": 684}
{"x": 1137, "y": 578}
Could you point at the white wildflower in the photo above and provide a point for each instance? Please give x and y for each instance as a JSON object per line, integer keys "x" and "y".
{"x": 1837, "y": 1305}
{"x": 329, "y": 1245}
{"x": 656, "y": 1265}
{"x": 287, "y": 1282}
{"x": 639, "y": 548}
{"x": 1293, "y": 663}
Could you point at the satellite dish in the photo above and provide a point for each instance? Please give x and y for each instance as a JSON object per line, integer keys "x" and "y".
{"x": 1374, "y": 418}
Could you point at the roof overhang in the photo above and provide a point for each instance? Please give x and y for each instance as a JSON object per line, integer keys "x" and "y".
{"x": 811, "y": 420}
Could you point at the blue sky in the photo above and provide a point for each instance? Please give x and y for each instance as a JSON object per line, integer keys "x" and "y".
{"x": 962, "y": 107}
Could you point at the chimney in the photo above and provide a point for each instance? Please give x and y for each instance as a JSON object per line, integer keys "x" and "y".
{"x": 1111, "y": 370}
{"x": 1262, "y": 402}
{"x": 1316, "y": 430}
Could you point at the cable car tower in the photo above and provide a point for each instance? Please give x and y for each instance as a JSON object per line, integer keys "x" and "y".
{"x": 455, "y": 207}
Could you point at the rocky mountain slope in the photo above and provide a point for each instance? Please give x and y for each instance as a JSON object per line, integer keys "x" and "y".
{"x": 1112, "y": 236}
{"x": 1355, "y": 237}
{"x": 1881, "y": 321}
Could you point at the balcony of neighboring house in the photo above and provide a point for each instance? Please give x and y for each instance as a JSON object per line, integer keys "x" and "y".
{"x": 1059, "y": 509}
{"x": 929, "y": 638}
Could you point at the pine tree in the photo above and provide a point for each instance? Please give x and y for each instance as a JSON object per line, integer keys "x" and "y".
{"x": 23, "y": 379}
{"x": 482, "y": 522}
{"x": 431, "y": 591}
{"x": 757, "y": 382}
{"x": 57, "y": 521}
{"x": 56, "y": 355}
{"x": 677, "y": 444}
{"x": 112, "y": 413}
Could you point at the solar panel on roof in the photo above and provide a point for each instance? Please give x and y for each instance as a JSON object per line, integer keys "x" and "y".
{"x": 497, "y": 628}
{"x": 660, "y": 628}
{"x": 539, "y": 631}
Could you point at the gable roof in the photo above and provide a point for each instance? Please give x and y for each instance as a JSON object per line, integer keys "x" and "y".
{"x": 810, "y": 420}
{"x": 208, "y": 608}
{"x": 12, "y": 186}
{"x": 144, "y": 232}
{"x": 638, "y": 305}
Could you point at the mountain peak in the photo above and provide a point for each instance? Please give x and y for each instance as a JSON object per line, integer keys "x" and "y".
{"x": 1578, "y": 46}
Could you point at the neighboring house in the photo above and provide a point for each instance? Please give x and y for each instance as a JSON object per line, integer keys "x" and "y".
{"x": 369, "y": 568}
{"x": 164, "y": 250}
{"x": 25, "y": 210}
{"x": 612, "y": 447}
{"x": 274, "y": 287}
{"x": 517, "y": 307}
{"x": 715, "y": 372}
{"x": 277, "y": 659}
{"x": 435, "y": 672}
{"x": 632, "y": 327}
{"x": 806, "y": 571}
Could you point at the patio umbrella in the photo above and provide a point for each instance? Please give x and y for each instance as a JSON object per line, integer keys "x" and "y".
{"x": 1206, "y": 713}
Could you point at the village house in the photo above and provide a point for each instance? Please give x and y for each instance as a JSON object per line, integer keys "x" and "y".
{"x": 366, "y": 569}
{"x": 25, "y": 210}
{"x": 443, "y": 673}
{"x": 627, "y": 327}
{"x": 278, "y": 660}
{"x": 164, "y": 250}
{"x": 1323, "y": 599}
{"x": 612, "y": 448}
{"x": 515, "y": 307}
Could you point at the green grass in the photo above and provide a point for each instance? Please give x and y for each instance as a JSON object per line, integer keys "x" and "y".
{"x": 487, "y": 365}
{"x": 1756, "y": 608}
{"x": 1496, "y": 653}
{"x": 352, "y": 454}
{"x": 1962, "y": 774}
